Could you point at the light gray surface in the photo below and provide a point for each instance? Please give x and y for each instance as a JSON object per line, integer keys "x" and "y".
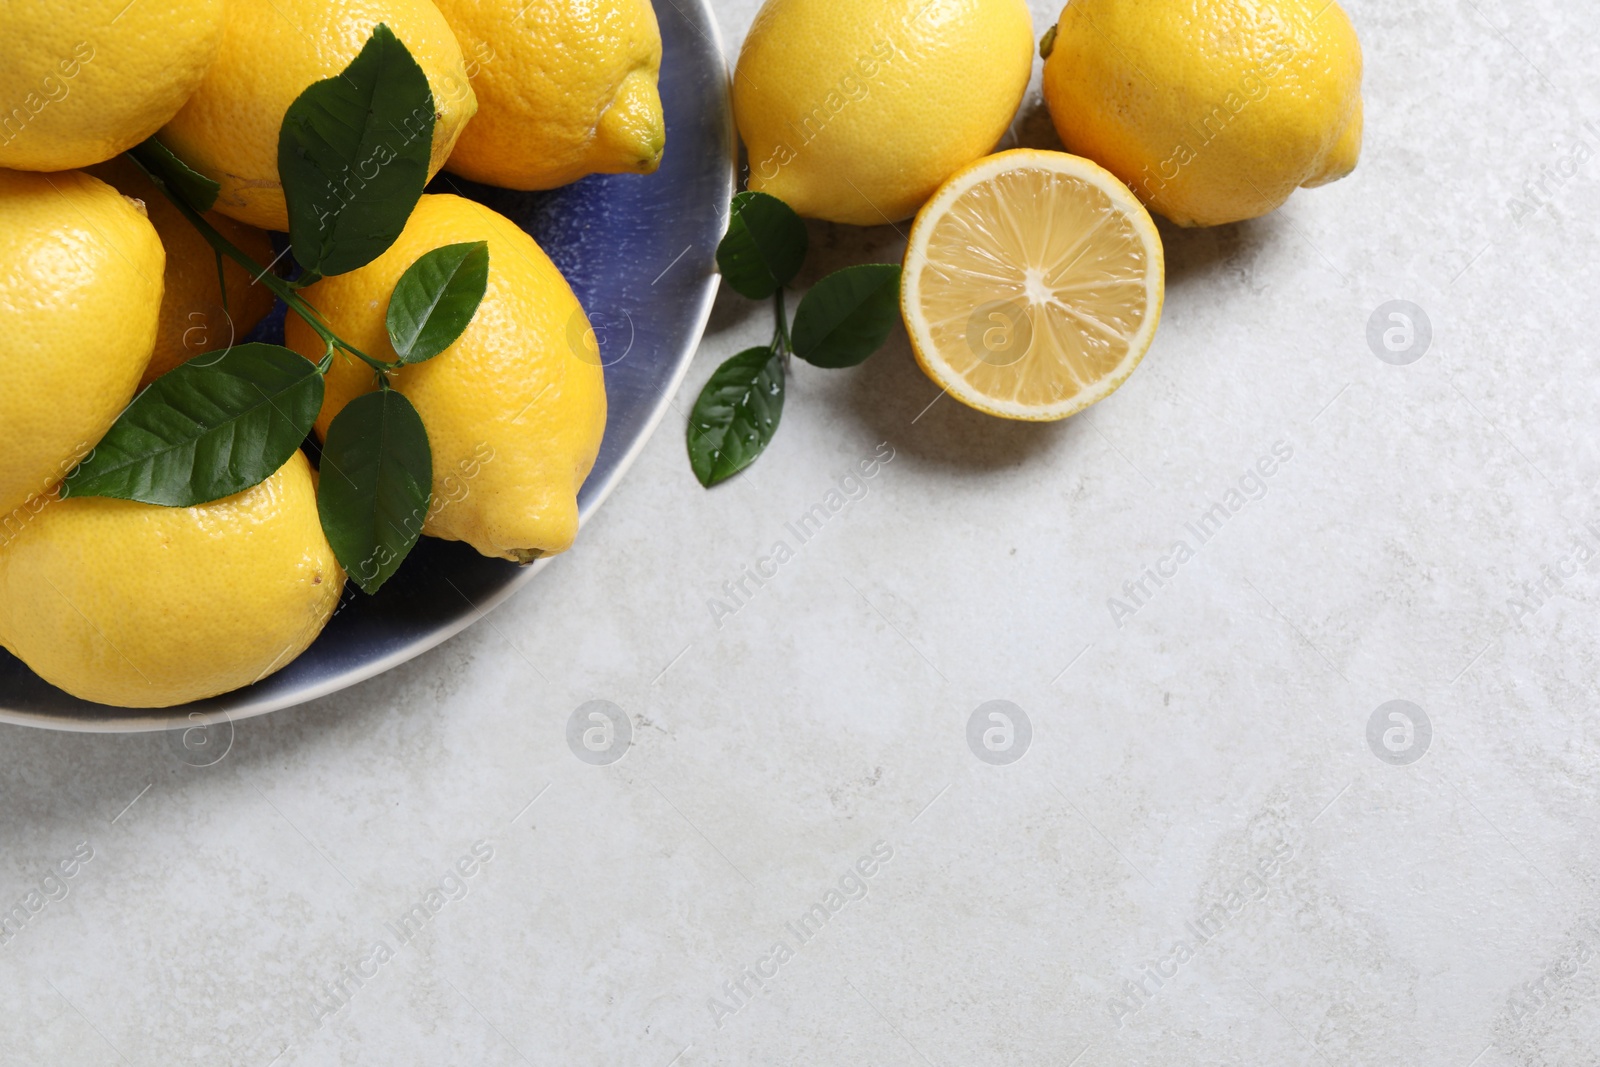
{"x": 1443, "y": 912}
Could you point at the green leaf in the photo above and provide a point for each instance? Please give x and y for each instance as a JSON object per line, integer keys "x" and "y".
{"x": 848, "y": 315}
{"x": 436, "y": 298}
{"x": 765, "y": 245}
{"x": 353, "y": 156}
{"x": 737, "y": 413}
{"x": 376, "y": 483}
{"x": 212, "y": 427}
{"x": 167, "y": 170}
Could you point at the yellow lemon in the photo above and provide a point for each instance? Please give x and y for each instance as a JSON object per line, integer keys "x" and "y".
{"x": 271, "y": 51}
{"x": 196, "y": 316}
{"x": 1033, "y": 285}
{"x": 515, "y": 409}
{"x": 564, "y": 90}
{"x": 84, "y": 81}
{"x": 1213, "y": 111}
{"x": 857, "y": 110}
{"x": 80, "y": 293}
{"x": 145, "y": 607}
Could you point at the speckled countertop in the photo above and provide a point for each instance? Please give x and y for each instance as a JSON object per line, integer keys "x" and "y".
{"x": 1219, "y": 846}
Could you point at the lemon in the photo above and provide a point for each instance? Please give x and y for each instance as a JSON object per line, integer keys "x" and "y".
{"x": 82, "y": 82}
{"x": 857, "y": 110}
{"x": 1033, "y": 285}
{"x": 1212, "y": 112}
{"x": 564, "y": 90}
{"x": 515, "y": 409}
{"x": 196, "y": 317}
{"x": 271, "y": 51}
{"x": 80, "y": 292}
{"x": 143, "y": 606}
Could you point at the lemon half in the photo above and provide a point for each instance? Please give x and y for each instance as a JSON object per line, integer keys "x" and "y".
{"x": 1033, "y": 285}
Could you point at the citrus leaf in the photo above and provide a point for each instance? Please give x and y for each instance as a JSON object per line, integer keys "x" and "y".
{"x": 848, "y": 315}
{"x": 765, "y": 245}
{"x": 435, "y": 299}
{"x": 375, "y": 485}
{"x": 737, "y": 413}
{"x": 176, "y": 176}
{"x": 207, "y": 429}
{"x": 353, "y": 153}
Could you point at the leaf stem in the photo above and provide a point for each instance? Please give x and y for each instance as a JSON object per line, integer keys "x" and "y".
{"x": 283, "y": 290}
{"x": 781, "y": 342}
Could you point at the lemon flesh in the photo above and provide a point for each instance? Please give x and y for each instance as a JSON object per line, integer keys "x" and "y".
{"x": 1033, "y": 285}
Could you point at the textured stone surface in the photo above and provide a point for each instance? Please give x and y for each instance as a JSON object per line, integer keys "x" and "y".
{"x": 1441, "y": 912}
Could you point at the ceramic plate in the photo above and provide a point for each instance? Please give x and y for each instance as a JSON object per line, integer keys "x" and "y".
{"x": 640, "y": 253}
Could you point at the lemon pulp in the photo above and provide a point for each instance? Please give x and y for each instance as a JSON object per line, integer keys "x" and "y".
{"x": 1033, "y": 285}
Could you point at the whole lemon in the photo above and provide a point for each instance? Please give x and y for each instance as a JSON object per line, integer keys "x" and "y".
{"x": 82, "y": 82}
{"x": 80, "y": 295}
{"x": 271, "y": 52}
{"x": 145, "y": 607}
{"x": 857, "y": 110}
{"x": 515, "y": 408}
{"x": 1212, "y": 111}
{"x": 564, "y": 90}
{"x": 196, "y": 316}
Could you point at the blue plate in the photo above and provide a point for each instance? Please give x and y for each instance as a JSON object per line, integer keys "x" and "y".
{"x": 640, "y": 253}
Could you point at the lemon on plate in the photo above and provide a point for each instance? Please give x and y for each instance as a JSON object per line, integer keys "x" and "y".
{"x": 84, "y": 81}
{"x": 514, "y": 409}
{"x": 271, "y": 52}
{"x": 855, "y": 111}
{"x": 564, "y": 90}
{"x": 1033, "y": 285}
{"x": 80, "y": 298}
{"x": 143, "y": 606}
{"x": 196, "y": 315}
{"x": 1212, "y": 111}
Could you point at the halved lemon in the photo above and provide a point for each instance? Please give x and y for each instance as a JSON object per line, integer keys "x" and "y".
{"x": 1033, "y": 285}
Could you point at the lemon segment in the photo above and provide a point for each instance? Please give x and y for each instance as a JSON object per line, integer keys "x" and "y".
{"x": 1033, "y": 285}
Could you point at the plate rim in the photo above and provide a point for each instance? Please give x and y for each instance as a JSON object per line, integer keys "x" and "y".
{"x": 137, "y": 721}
